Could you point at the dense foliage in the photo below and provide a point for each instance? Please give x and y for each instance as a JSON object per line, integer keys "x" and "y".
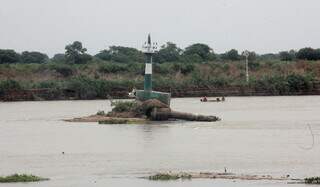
{"x": 119, "y": 69}
{"x": 8, "y": 56}
{"x": 76, "y": 54}
{"x": 33, "y": 57}
{"x": 121, "y": 54}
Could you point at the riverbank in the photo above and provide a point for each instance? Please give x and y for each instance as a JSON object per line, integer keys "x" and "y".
{"x": 67, "y": 94}
{"x": 102, "y": 79}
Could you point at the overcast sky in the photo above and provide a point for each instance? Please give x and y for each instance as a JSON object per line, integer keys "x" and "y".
{"x": 259, "y": 25}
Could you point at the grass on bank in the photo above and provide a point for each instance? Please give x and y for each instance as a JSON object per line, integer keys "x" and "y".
{"x": 96, "y": 80}
{"x": 21, "y": 178}
{"x": 167, "y": 177}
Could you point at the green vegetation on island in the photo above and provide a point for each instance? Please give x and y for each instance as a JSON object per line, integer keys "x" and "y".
{"x": 167, "y": 177}
{"x": 21, "y": 178}
{"x": 312, "y": 180}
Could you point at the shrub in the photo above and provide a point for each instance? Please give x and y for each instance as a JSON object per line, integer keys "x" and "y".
{"x": 162, "y": 68}
{"x": 112, "y": 68}
{"x": 101, "y": 113}
{"x": 232, "y": 55}
{"x": 8, "y": 85}
{"x": 219, "y": 82}
{"x": 297, "y": 83}
{"x": 124, "y": 106}
{"x": 84, "y": 87}
{"x": 187, "y": 68}
{"x": 287, "y": 56}
{"x": 164, "y": 177}
{"x": 276, "y": 85}
{"x": 8, "y": 56}
{"x": 308, "y": 54}
{"x": 53, "y": 84}
{"x": 63, "y": 69}
{"x": 183, "y": 68}
{"x": 33, "y": 57}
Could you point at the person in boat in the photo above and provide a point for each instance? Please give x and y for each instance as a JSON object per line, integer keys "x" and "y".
{"x": 204, "y": 99}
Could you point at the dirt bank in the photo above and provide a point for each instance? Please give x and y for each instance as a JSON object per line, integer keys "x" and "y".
{"x": 215, "y": 175}
{"x": 67, "y": 94}
{"x": 105, "y": 119}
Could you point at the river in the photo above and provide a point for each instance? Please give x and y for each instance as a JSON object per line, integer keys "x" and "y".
{"x": 257, "y": 135}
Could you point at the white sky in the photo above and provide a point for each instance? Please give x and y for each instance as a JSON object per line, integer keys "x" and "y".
{"x": 259, "y": 25}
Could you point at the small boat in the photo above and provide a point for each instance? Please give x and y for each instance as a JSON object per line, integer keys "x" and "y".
{"x": 222, "y": 99}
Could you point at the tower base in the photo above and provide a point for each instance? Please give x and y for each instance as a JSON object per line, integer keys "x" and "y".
{"x": 143, "y": 95}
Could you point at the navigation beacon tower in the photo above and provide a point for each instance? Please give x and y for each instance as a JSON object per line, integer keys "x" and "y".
{"x": 149, "y": 49}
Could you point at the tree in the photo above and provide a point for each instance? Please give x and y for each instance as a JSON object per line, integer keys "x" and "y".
{"x": 8, "y": 85}
{"x": 76, "y": 54}
{"x": 8, "y": 56}
{"x": 33, "y": 57}
{"x": 59, "y": 58}
{"x": 121, "y": 54}
{"x": 287, "y": 55}
{"x": 308, "y": 53}
{"x": 104, "y": 55}
{"x": 168, "y": 53}
{"x": 231, "y": 55}
{"x": 201, "y": 50}
{"x": 268, "y": 57}
{"x": 252, "y": 56}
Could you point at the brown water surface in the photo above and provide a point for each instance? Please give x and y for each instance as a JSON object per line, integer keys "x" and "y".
{"x": 258, "y": 135}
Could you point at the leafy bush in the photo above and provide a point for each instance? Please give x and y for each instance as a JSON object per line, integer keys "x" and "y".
{"x": 33, "y": 57}
{"x": 232, "y": 55}
{"x": 101, "y": 113}
{"x": 287, "y": 55}
{"x": 63, "y": 69}
{"x": 183, "y": 68}
{"x": 52, "y": 84}
{"x": 308, "y": 54}
{"x": 8, "y": 56}
{"x": 84, "y": 87}
{"x": 112, "y": 68}
{"x": 201, "y": 52}
{"x": 124, "y": 106}
{"x": 298, "y": 83}
{"x": 121, "y": 54}
{"x": 276, "y": 85}
{"x": 8, "y": 85}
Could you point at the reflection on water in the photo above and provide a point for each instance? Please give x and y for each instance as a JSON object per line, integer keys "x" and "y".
{"x": 262, "y": 135}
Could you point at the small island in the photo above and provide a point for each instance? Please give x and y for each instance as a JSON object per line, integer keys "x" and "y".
{"x": 138, "y": 112}
{"x": 21, "y": 178}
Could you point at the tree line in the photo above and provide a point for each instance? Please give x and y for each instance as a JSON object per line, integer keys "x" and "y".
{"x": 76, "y": 53}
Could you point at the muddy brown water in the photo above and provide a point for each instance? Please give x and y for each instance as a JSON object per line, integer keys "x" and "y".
{"x": 257, "y": 135}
